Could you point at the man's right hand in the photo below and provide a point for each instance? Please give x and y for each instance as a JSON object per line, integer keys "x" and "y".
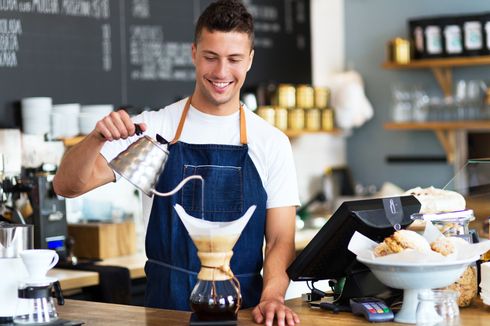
{"x": 116, "y": 125}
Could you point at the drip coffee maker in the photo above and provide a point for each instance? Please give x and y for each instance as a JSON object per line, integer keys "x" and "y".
{"x": 216, "y": 297}
{"x": 35, "y": 304}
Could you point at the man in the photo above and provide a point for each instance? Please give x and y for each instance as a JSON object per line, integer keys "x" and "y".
{"x": 243, "y": 160}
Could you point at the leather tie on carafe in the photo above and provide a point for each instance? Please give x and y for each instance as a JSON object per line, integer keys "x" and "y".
{"x": 234, "y": 282}
{"x": 180, "y": 127}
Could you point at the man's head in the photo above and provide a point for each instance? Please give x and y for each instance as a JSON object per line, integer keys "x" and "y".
{"x": 226, "y": 16}
{"x": 222, "y": 54}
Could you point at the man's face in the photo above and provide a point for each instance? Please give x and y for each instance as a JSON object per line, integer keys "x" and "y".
{"x": 222, "y": 60}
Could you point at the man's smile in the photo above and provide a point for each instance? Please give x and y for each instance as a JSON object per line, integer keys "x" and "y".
{"x": 220, "y": 86}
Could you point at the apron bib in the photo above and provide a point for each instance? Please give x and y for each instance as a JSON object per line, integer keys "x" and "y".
{"x": 232, "y": 185}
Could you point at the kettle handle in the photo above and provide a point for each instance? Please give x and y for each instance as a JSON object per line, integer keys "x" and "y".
{"x": 138, "y": 130}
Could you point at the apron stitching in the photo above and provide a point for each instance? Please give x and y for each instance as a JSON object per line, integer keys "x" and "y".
{"x": 212, "y": 166}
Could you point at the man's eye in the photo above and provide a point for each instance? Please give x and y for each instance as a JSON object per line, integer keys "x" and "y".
{"x": 209, "y": 58}
{"x": 235, "y": 60}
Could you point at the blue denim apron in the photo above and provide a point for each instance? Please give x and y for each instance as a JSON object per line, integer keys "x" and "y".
{"x": 232, "y": 185}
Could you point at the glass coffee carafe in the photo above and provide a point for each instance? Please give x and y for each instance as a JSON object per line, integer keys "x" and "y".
{"x": 216, "y": 295}
{"x": 36, "y": 305}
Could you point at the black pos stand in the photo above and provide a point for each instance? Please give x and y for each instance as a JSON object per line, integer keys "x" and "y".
{"x": 326, "y": 257}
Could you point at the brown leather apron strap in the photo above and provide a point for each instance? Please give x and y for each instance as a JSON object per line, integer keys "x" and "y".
{"x": 182, "y": 120}
{"x": 243, "y": 124}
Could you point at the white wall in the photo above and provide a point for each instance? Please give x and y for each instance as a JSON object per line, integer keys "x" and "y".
{"x": 313, "y": 153}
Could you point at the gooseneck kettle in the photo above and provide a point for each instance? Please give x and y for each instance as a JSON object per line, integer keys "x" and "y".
{"x": 143, "y": 162}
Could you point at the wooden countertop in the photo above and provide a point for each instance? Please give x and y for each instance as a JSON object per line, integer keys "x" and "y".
{"x": 73, "y": 279}
{"x": 93, "y": 313}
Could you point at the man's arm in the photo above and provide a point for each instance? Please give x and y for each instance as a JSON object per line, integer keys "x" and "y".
{"x": 83, "y": 168}
{"x": 279, "y": 252}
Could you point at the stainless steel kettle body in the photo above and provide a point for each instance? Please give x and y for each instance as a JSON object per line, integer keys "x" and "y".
{"x": 141, "y": 163}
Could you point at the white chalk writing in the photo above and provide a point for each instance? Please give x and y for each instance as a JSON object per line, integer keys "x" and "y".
{"x": 154, "y": 59}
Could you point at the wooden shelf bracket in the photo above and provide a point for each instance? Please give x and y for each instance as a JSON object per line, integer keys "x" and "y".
{"x": 444, "y": 77}
{"x": 448, "y": 140}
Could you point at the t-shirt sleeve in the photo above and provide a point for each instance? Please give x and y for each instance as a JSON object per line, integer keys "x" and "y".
{"x": 282, "y": 185}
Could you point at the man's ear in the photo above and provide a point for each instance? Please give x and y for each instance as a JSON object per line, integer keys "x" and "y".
{"x": 194, "y": 50}
{"x": 251, "y": 59}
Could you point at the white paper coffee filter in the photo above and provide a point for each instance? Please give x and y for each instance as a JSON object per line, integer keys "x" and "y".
{"x": 199, "y": 227}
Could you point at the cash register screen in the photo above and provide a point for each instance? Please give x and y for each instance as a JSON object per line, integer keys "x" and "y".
{"x": 326, "y": 256}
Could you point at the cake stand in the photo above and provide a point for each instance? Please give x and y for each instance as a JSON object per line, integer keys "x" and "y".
{"x": 414, "y": 278}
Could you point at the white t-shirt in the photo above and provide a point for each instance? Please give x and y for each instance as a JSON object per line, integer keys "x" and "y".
{"x": 269, "y": 148}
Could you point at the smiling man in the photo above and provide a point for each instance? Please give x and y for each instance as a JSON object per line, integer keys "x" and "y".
{"x": 246, "y": 160}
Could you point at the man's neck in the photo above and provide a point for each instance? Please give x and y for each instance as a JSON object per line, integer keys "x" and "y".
{"x": 205, "y": 106}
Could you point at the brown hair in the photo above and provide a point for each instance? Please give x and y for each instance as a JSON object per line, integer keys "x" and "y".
{"x": 226, "y": 16}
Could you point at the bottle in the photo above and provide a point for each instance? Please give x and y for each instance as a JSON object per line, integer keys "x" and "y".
{"x": 453, "y": 39}
{"x": 473, "y": 35}
{"x": 433, "y": 40}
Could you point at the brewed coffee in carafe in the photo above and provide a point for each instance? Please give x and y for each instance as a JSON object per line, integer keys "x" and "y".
{"x": 216, "y": 295}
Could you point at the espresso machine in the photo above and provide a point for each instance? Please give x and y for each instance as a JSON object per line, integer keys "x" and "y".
{"x": 49, "y": 214}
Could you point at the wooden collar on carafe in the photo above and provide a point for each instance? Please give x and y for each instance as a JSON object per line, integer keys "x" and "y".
{"x": 243, "y": 125}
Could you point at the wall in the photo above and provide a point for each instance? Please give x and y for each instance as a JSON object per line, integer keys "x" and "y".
{"x": 313, "y": 153}
{"x": 368, "y": 26}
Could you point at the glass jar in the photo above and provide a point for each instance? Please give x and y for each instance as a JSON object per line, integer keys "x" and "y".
{"x": 322, "y": 97}
{"x": 313, "y": 119}
{"x": 327, "y": 119}
{"x": 296, "y": 119}
{"x": 286, "y": 96}
{"x": 437, "y": 308}
{"x": 267, "y": 113}
{"x": 281, "y": 118}
{"x": 305, "y": 97}
{"x": 455, "y": 224}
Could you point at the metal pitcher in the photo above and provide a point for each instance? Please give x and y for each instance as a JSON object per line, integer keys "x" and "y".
{"x": 14, "y": 238}
{"x": 143, "y": 162}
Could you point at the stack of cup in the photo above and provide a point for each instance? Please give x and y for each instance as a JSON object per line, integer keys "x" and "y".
{"x": 64, "y": 120}
{"x": 485, "y": 283}
{"x": 90, "y": 114}
{"x": 36, "y": 115}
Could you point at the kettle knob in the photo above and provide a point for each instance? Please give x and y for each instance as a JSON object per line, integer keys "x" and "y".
{"x": 138, "y": 130}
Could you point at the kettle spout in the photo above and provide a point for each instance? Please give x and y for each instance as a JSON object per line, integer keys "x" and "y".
{"x": 178, "y": 187}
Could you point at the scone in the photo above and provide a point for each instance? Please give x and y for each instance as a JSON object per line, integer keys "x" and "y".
{"x": 446, "y": 245}
{"x": 466, "y": 286}
{"x": 401, "y": 240}
{"x": 443, "y": 245}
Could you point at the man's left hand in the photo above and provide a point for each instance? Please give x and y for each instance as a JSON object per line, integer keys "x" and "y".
{"x": 266, "y": 310}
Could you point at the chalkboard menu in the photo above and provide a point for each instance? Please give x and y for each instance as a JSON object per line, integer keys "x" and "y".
{"x": 131, "y": 52}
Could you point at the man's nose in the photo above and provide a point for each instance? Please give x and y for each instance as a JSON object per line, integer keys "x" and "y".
{"x": 221, "y": 68}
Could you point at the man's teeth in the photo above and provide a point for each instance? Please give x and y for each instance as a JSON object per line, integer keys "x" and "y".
{"x": 221, "y": 85}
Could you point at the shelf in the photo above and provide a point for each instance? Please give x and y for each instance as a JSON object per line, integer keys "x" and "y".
{"x": 435, "y": 125}
{"x": 441, "y": 68}
{"x": 297, "y": 133}
{"x": 440, "y": 63}
{"x": 444, "y": 130}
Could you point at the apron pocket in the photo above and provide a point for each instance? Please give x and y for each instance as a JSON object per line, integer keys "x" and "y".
{"x": 222, "y": 189}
